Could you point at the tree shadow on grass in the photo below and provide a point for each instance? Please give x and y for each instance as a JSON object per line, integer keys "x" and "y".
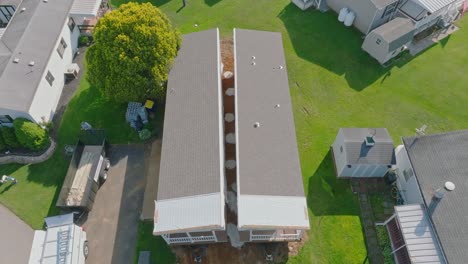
{"x": 212, "y": 2}
{"x": 321, "y": 39}
{"x": 328, "y": 195}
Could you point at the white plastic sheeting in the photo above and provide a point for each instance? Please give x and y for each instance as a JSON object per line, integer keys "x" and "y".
{"x": 272, "y": 211}
{"x": 195, "y": 212}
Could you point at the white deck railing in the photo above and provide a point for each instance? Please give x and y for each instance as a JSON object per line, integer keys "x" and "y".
{"x": 276, "y": 237}
{"x": 188, "y": 239}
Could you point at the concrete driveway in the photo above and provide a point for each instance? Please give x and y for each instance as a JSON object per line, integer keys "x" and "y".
{"x": 15, "y": 238}
{"x": 112, "y": 225}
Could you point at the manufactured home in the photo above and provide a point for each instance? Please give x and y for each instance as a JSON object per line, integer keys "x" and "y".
{"x": 271, "y": 203}
{"x": 391, "y": 26}
{"x": 431, "y": 178}
{"x": 363, "y": 152}
{"x": 32, "y": 72}
{"x": 190, "y": 203}
{"x": 61, "y": 242}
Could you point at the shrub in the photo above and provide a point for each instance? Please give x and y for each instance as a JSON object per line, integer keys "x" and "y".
{"x": 2, "y": 144}
{"x": 83, "y": 40}
{"x": 9, "y": 137}
{"x": 144, "y": 134}
{"x": 30, "y": 135}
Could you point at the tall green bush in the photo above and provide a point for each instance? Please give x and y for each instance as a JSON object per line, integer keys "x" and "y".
{"x": 9, "y": 137}
{"x": 30, "y": 135}
{"x": 2, "y": 144}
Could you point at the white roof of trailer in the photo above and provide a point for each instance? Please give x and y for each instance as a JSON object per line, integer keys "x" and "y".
{"x": 421, "y": 242}
{"x": 260, "y": 211}
{"x": 202, "y": 212}
{"x": 86, "y": 8}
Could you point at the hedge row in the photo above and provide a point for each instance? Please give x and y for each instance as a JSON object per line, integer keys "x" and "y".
{"x": 24, "y": 133}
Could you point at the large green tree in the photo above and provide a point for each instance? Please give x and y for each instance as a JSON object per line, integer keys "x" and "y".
{"x": 134, "y": 48}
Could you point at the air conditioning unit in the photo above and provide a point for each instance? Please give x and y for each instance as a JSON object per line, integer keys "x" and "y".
{"x": 72, "y": 71}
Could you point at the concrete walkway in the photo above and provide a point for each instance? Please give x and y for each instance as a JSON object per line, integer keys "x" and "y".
{"x": 15, "y": 238}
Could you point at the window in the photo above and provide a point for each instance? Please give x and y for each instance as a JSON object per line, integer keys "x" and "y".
{"x": 341, "y": 149}
{"x": 61, "y": 48}
{"x": 50, "y": 78}
{"x": 71, "y": 24}
{"x": 5, "y": 119}
{"x": 389, "y": 9}
{"x": 408, "y": 173}
{"x": 378, "y": 41}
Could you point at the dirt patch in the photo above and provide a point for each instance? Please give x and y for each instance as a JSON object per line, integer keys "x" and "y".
{"x": 295, "y": 247}
{"x": 227, "y": 54}
{"x": 252, "y": 253}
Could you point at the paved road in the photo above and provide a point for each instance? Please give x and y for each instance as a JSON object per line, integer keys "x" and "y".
{"x": 112, "y": 225}
{"x": 15, "y": 238}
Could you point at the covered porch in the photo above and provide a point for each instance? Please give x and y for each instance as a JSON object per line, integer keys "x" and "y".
{"x": 86, "y": 13}
{"x": 412, "y": 236}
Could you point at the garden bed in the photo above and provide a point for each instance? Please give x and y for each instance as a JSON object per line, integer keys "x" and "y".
{"x": 385, "y": 244}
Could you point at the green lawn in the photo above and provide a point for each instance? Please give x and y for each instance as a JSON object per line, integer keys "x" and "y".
{"x": 333, "y": 84}
{"x": 33, "y": 198}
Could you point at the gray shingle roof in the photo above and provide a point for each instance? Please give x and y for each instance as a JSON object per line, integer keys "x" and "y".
{"x": 268, "y": 160}
{"x": 396, "y": 32}
{"x": 30, "y": 36}
{"x": 358, "y": 153}
{"x": 435, "y": 160}
{"x": 191, "y": 150}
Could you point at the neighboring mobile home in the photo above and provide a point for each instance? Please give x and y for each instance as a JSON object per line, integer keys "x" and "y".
{"x": 391, "y": 26}
{"x": 270, "y": 193}
{"x": 363, "y": 152}
{"x": 36, "y": 50}
{"x": 432, "y": 177}
{"x": 190, "y": 203}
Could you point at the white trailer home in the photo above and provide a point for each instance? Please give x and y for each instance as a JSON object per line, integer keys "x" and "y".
{"x": 190, "y": 203}
{"x": 363, "y": 152}
{"x": 271, "y": 204}
{"x": 36, "y": 50}
{"x": 62, "y": 242}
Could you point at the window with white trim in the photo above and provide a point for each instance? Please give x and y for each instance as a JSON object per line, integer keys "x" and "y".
{"x": 408, "y": 173}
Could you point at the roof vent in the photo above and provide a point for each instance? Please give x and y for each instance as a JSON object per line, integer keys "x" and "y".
{"x": 256, "y": 124}
{"x": 16, "y": 60}
{"x": 277, "y": 106}
{"x": 253, "y": 57}
{"x": 23, "y": 9}
{"x": 31, "y": 63}
{"x": 370, "y": 141}
{"x": 253, "y": 63}
{"x": 45, "y": 1}
{"x": 281, "y": 67}
{"x": 448, "y": 187}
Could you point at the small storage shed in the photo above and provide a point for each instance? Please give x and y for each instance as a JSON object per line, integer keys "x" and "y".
{"x": 390, "y": 39}
{"x": 85, "y": 171}
{"x": 363, "y": 152}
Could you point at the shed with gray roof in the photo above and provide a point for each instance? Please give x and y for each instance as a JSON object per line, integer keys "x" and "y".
{"x": 390, "y": 39}
{"x": 436, "y": 159}
{"x": 269, "y": 178}
{"x": 363, "y": 152}
{"x": 190, "y": 196}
